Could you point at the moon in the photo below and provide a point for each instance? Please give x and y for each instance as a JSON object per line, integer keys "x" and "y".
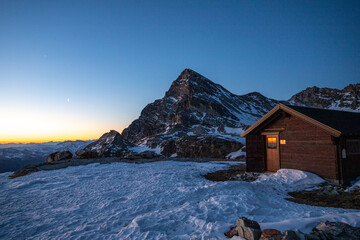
{"x": 68, "y": 100}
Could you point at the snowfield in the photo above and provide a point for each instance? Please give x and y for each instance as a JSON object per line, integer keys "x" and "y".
{"x": 159, "y": 200}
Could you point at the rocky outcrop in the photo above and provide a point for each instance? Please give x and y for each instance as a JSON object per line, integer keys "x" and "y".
{"x": 250, "y": 230}
{"x": 196, "y": 106}
{"x": 329, "y": 98}
{"x": 335, "y": 230}
{"x": 110, "y": 144}
{"x": 271, "y": 234}
{"x": 142, "y": 155}
{"x": 59, "y": 156}
{"x": 83, "y": 154}
{"x": 205, "y": 147}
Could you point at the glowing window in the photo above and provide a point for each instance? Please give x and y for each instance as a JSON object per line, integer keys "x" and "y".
{"x": 271, "y": 142}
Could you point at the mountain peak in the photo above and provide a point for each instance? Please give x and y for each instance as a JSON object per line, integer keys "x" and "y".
{"x": 188, "y": 73}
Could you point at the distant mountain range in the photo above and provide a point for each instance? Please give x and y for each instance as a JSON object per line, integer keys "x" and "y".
{"x": 14, "y": 156}
{"x": 195, "y": 118}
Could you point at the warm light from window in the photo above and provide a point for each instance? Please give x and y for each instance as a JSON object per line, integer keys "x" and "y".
{"x": 271, "y": 142}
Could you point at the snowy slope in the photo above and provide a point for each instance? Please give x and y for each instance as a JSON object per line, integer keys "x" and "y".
{"x": 160, "y": 200}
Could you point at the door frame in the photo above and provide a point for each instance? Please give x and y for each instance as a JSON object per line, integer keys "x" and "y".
{"x": 277, "y": 144}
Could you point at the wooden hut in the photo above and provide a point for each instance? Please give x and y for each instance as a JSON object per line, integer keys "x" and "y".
{"x": 325, "y": 142}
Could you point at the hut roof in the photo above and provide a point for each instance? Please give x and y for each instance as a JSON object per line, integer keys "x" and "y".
{"x": 334, "y": 121}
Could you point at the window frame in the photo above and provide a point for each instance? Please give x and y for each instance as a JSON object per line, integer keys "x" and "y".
{"x": 271, "y": 147}
{"x": 352, "y": 147}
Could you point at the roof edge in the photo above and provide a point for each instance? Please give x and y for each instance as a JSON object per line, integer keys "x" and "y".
{"x": 289, "y": 110}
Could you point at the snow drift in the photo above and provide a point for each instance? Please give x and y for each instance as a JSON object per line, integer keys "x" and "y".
{"x": 167, "y": 200}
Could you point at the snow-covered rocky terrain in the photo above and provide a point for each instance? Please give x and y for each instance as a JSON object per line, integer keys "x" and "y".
{"x": 159, "y": 200}
{"x": 14, "y": 156}
{"x": 200, "y": 118}
{"x": 347, "y": 99}
{"x": 199, "y": 114}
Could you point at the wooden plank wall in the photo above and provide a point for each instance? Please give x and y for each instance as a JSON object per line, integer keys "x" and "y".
{"x": 350, "y": 164}
{"x": 255, "y": 153}
{"x": 307, "y": 147}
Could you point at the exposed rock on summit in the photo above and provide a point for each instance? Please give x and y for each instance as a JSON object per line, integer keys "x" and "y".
{"x": 195, "y": 106}
{"x": 110, "y": 144}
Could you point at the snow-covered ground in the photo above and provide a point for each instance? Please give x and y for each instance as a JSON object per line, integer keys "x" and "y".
{"x": 159, "y": 200}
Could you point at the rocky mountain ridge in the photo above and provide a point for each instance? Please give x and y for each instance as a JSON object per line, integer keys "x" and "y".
{"x": 347, "y": 99}
{"x": 199, "y": 118}
{"x": 111, "y": 144}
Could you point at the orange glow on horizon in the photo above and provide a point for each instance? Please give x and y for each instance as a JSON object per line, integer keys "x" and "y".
{"x": 61, "y": 138}
{"x": 19, "y": 125}
{"x": 26, "y": 141}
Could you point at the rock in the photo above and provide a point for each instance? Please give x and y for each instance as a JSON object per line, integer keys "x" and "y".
{"x": 111, "y": 144}
{"x": 205, "y": 147}
{"x": 248, "y": 229}
{"x": 335, "y": 230}
{"x": 290, "y": 235}
{"x": 22, "y": 172}
{"x": 149, "y": 154}
{"x": 85, "y": 154}
{"x": 300, "y": 234}
{"x": 59, "y": 156}
{"x": 132, "y": 156}
{"x": 247, "y": 176}
{"x": 271, "y": 234}
{"x": 232, "y": 232}
{"x": 142, "y": 155}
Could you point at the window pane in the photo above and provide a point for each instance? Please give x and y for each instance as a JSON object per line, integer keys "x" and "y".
{"x": 271, "y": 142}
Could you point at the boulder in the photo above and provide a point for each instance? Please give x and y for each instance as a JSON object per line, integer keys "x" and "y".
{"x": 300, "y": 234}
{"x": 335, "y": 230}
{"x": 205, "y": 147}
{"x": 248, "y": 229}
{"x": 271, "y": 234}
{"x": 290, "y": 235}
{"x": 142, "y": 155}
{"x": 232, "y": 232}
{"x": 59, "y": 156}
{"x": 247, "y": 176}
{"x": 84, "y": 154}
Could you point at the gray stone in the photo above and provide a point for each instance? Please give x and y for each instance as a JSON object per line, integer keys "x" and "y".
{"x": 335, "y": 230}
{"x": 59, "y": 156}
{"x": 248, "y": 229}
{"x": 232, "y": 232}
{"x": 300, "y": 234}
{"x": 271, "y": 234}
{"x": 84, "y": 154}
{"x": 290, "y": 235}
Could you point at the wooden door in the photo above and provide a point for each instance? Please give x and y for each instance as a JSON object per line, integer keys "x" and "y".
{"x": 272, "y": 153}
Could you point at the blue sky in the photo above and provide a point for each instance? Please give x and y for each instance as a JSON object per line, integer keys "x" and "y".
{"x": 111, "y": 58}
